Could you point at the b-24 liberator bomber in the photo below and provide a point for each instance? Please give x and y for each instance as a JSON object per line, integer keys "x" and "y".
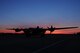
{"x": 37, "y": 30}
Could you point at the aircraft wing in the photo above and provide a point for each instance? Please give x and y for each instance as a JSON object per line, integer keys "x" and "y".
{"x": 65, "y": 28}
{"x": 16, "y": 29}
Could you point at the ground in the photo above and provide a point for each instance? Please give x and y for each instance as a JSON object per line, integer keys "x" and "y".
{"x": 11, "y": 43}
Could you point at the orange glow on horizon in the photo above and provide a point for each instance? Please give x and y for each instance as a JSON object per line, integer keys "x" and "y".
{"x": 9, "y": 31}
{"x": 47, "y": 32}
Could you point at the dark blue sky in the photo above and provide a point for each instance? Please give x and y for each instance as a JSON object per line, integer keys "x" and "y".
{"x": 40, "y": 12}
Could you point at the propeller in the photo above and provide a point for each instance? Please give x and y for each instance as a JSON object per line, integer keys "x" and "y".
{"x": 16, "y": 29}
{"x": 51, "y": 28}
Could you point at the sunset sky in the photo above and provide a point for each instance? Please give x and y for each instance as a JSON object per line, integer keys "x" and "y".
{"x": 30, "y": 13}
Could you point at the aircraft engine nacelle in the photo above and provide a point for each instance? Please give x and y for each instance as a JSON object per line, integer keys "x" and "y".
{"x": 17, "y": 30}
{"x": 51, "y": 30}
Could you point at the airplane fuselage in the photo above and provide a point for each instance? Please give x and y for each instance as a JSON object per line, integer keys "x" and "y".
{"x": 35, "y": 31}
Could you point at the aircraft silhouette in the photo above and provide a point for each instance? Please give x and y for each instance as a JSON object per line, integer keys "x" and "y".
{"x": 38, "y": 30}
